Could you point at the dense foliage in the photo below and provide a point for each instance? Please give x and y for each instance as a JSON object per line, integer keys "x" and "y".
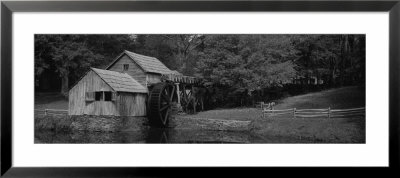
{"x": 238, "y": 69}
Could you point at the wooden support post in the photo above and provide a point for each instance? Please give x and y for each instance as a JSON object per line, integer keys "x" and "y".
{"x": 147, "y": 80}
{"x": 194, "y": 100}
{"x": 194, "y": 105}
{"x": 178, "y": 93}
{"x": 201, "y": 100}
{"x": 272, "y": 111}
{"x": 329, "y": 112}
{"x": 294, "y": 113}
{"x": 263, "y": 113}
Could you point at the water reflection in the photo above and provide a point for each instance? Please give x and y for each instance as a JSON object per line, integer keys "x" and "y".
{"x": 157, "y": 135}
{"x": 152, "y": 135}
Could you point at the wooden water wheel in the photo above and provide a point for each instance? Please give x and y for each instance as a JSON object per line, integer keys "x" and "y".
{"x": 159, "y": 104}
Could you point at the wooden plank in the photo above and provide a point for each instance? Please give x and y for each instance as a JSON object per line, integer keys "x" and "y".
{"x": 347, "y": 115}
{"x": 57, "y": 110}
{"x": 341, "y": 110}
{"x": 305, "y": 110}
{"x": 321, "y": 115}
{"x": 345, "y": 112}
{"x": 133, "y": 104}
{"x": 352, "y": 109}
{"x": 282, "y": 110}
{"x": 276, "y": 114}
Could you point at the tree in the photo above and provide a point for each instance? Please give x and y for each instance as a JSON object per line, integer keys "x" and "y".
{"x": 178, "y": 52}
{"x": 338, "y": 59}
{"x": 183, "y": 47}
{"x": 63, "y": 53}
{"x": 235, "y": 65}
{"x": 70, "y": 56}
{"x": 246, "y": 63}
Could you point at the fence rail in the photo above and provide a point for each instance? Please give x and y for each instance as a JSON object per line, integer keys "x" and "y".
{"x": 263, "y": 105}
{"x": 51, "y": 112}
{"x": 309, "y": 113}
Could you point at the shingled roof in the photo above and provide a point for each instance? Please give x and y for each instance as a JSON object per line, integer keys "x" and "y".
{"x": 120, "y": 81}
{"x": 147, "y": 63}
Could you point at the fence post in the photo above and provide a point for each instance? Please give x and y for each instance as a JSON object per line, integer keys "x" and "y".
{"x": 263, "y": 113}
{"x": 272, "y": 111}
{"x": 294, "y": 113}
{"x": 329, "y": 112}
{"x": 45, "y": 111}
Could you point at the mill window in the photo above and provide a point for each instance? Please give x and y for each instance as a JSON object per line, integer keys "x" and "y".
{"x": 126, "y": 67}
{"x": 107, "y": 96}
{"x": 99, "y": 96}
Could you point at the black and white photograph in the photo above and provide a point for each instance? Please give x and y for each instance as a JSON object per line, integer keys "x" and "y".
{"x": 199, "y": 88}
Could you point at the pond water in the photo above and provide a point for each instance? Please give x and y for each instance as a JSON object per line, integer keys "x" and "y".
{"x": 157, "y": 135}
{"x": 182, "y": 132}
{"x": 153, "y": 135}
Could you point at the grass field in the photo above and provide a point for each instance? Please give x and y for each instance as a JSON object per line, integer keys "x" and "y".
{"x": 50, "y": 101}
{"x": 347, "y": 97}
{"x": 322, "y": 130}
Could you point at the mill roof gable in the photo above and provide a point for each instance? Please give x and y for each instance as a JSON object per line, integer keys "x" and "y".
{"x": 147, "y": 63}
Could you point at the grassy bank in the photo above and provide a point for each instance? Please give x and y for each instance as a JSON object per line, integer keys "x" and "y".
{"x": 322, "y": 130}
{"x": 340, "y": 98}
{"x": 53, "y": 122}
{"x": 50, "y": 101}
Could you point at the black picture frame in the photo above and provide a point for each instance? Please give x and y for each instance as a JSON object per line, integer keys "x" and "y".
{"x": 8, "y": 7}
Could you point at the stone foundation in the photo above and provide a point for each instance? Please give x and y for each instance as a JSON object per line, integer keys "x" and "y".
{"x": 186, "y": 122}
{"x": 130, "y": 123}
{"x": 107, "y": 123}
{"x": 90, "y": 123}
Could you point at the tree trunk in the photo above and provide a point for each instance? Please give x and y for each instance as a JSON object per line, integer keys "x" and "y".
{"x": 64, "y": 84}
{"x": 332, "y": 79}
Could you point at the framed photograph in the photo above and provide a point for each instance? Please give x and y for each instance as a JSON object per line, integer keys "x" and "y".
{"x": 103, "y": 88}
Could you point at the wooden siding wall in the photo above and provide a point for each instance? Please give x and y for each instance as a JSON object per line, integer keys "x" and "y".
{"x": 126, "y": 104}
{"x": 90, "y": 83}
{"x": 153, "y": 78}
{"x": 134, "y": 70}
{"x": 132, "y": 104}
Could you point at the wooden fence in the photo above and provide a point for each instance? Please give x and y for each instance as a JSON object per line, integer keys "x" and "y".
{"x": 263, "y": 105}
{"x": 309, "y": 113}
{"x": 51, "y": 112}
